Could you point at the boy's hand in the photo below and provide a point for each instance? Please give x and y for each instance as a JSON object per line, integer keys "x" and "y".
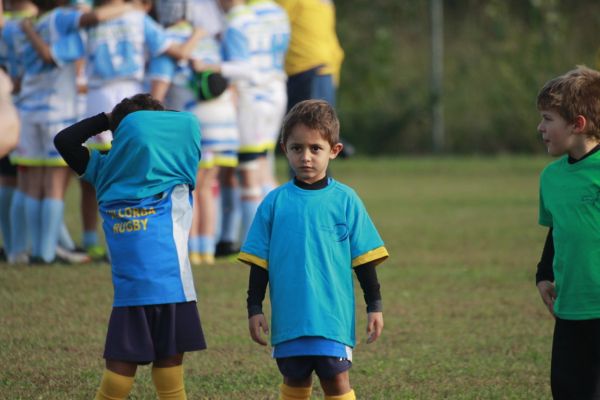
{"x": 255, "y": 324}
{"x": 374, "y": 326}
{"x": 546, "y": 289}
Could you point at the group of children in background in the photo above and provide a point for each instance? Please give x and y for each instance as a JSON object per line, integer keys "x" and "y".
{"x": 222, "y": 61}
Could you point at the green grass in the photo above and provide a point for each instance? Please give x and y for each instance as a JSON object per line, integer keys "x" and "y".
{"x": 463, "y": 319}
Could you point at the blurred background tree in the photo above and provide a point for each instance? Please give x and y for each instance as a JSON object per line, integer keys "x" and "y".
{"x": 497, "y": 54}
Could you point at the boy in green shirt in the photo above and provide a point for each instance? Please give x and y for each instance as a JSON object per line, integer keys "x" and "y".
{"x": 568, "y": 276}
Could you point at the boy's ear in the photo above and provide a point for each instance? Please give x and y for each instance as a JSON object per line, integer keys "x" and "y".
{"x": 335, "y": 150}
{"x": 580, "y": 123}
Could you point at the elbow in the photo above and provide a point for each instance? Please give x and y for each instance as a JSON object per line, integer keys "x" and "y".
{"x": 60, "y": 141}
{"x": 89, "y": 19}
{"x": 176, "y": 52}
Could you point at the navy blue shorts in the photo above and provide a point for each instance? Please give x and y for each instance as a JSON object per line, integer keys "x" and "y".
{"x": 143, "y": 334}
{"x": 301, "y": 367}
{"x": 247, "y": 157}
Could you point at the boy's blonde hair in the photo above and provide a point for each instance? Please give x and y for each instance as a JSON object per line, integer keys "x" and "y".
{"x": 575, "y": 93}
{"x": 314, "y": 114}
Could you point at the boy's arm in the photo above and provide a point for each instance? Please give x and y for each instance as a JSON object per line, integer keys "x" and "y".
{"x": 367, "y": 277}
{"x": 184, "y": 51}
{"x": 544, "y": 268}
{"x": 257, "y": 287}
{"x": 159, "y": 89}
{"x": 69, "y": 142}
{"x": 9, "y": 119}
{"x": 37, "y": 42}
{"x": 104, "y": 13}
{"x": 544, "y": 277}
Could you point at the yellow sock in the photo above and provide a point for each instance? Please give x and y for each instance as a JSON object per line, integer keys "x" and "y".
{"x": 346, "y": 396}
{"x": 294, "y": 393}
{"x": 169, "y": 383}
{"x": 114, "y": 386}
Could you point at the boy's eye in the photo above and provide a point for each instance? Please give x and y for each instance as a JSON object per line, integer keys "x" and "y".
{"x": 315, "y": 148}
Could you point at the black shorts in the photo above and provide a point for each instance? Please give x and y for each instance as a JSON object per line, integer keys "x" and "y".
{"x": 247, "y": 157}
{"x": 143, "y": 334}
{"x": 575, "y": 371}
{"x": 6, "y": 168}
{"x": 301, "y": 367}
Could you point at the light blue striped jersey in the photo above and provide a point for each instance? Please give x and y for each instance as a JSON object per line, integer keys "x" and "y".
{"x": 268, "y": 52}
{"x": 48, "y": 92}
{"x": 180, "y": 96}
{"x": 13, "y": 41}
{"x": 241, "y": 25}
{"x": 118, "y": 48}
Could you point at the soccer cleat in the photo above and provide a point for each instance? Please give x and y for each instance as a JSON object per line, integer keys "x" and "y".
{"x": 72, "y": 256}
{"x": 201, "y": 258}
{"x": 97, "y": 253}
{"x": 21, "y": 258}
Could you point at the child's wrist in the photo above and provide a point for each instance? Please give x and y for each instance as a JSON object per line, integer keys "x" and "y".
{"x": 375, "y": 306}
{"x": 254, "y": 309}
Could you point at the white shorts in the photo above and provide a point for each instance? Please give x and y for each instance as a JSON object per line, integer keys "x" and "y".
{"x": 274, "y": 119}
{"x": 219, "y": 158}
{"x": 36, "y": 144}
{"x": 218, "y": 123}
{"x": 260, "y": 113}
{"x": 104, "y": 99}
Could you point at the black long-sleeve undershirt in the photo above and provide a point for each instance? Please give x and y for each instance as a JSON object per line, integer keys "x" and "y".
{"x": 69, "y": 142}
{"x": 544, "y": 268}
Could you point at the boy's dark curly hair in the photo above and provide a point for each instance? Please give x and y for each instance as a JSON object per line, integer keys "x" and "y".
{"x": 139, "y": 102}
{"x": 314, "y": 114}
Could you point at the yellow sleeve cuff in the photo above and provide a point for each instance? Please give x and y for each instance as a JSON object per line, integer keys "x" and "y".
{"x": 252, "y": 259}
{"x": 379, "y": 255}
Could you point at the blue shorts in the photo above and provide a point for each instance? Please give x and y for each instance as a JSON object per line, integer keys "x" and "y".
{"x": 301, "y": 367}
{"x": 143, "y": 334}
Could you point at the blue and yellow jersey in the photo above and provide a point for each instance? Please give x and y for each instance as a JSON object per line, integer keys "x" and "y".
{"x": 309, "y": 240}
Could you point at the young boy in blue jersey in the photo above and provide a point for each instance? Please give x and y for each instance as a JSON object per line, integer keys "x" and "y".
{"x": 568, "y": 277}
{"x": 307, "y": 237}
{"x": 144, "y": 187}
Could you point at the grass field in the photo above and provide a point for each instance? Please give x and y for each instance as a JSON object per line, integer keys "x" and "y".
{"x": 463, "y": 319}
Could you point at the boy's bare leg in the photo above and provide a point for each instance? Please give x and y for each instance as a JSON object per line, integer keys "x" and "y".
{"x": 55, "y": 182}
{"x": 296, "y": 389}
{"x": 338, "y": 385}
{"x": 202, "y": 234}
{"x": 121, "y": 367}
{"x": 307, "y": 382}
{"x": 89, "y": 207}
{"x": 172, "y": 361}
